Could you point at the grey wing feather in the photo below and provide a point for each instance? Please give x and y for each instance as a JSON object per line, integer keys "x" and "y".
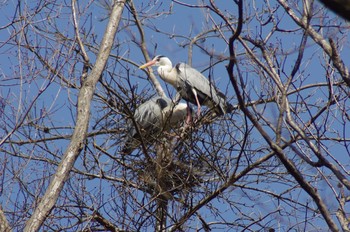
{"x": 200, "y": 83}
{"x": 149, "y": 114}
{"x": 148, "y": 117}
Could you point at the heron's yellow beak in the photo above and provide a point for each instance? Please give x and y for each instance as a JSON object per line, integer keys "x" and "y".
{"x": 142, "y": 66}
{"x": 152, "y": 62}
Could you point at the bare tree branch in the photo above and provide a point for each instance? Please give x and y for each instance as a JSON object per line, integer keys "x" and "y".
{"x": 150, "y": 72}
{"x": 327, "y": 47}
{"x": 79, "y": 135}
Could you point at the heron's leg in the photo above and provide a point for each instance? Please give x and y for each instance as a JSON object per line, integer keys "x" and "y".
{"x": 198, "y": 104}
{"x": 189, "y": 115}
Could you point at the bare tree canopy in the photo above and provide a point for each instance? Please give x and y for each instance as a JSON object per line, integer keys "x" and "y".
{"x": 70, "y": 84}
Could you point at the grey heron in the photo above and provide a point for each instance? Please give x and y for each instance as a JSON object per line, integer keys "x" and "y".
{"x": 190, "y": 84}
{"x": 152, "y": 117}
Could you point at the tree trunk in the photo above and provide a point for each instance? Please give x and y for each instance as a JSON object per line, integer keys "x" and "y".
{"x": 79, "y": 135}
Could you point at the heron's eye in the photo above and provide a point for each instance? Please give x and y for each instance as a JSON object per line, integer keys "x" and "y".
{"x": 158, "y": 58}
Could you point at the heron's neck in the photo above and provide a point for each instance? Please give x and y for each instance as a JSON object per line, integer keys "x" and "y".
{"x": 167, "y": 73}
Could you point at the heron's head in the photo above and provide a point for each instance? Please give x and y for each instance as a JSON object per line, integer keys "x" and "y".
{"x": 162, "y": 103}
{"x": 157, "y": 61}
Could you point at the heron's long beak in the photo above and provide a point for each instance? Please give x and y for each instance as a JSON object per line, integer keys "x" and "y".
{"x": 152, "y": 62}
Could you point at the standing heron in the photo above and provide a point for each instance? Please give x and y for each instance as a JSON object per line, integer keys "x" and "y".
{"x": 152, "y": 117}
{"x": 190, "y": 84}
